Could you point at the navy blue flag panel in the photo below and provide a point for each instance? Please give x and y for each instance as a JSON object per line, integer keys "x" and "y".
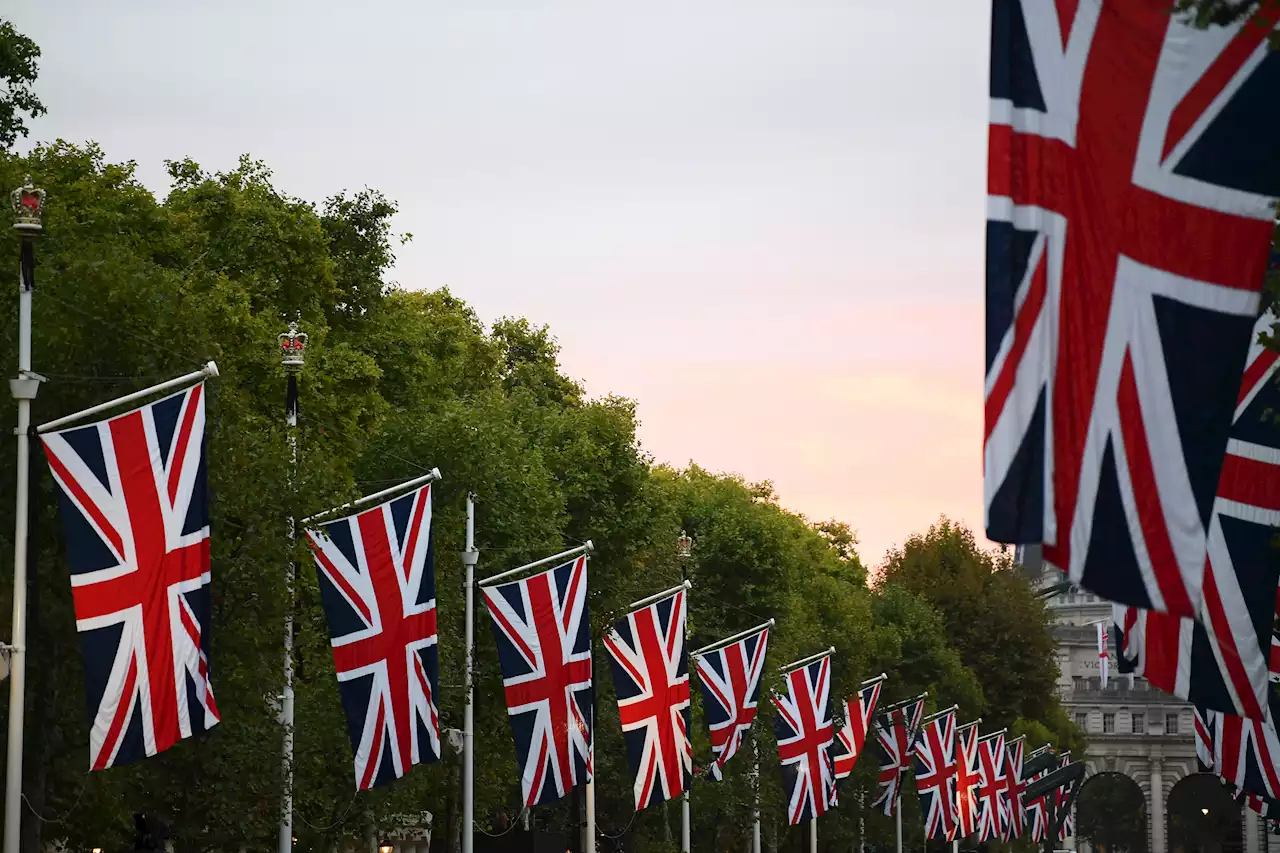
{"x": 542, "y": 627}
{"x": 1131, "y": 181}
{"x": 651, "y": 675}
{"x": 376, "y": 570}
{"x": 134, "y": 509}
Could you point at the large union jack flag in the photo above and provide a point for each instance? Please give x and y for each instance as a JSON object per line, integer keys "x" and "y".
{"x": 991, "y": 787}
{"x": 1131, "y": 175}
{"x": 805, "y": 734}
{"x": 968, "y": 777}
{"x": 859, "y": 712}
{"x": 135, "y": 518}
{"x": 651, "y": 675}
{"x": 935, "y": 754}
{"x": 1241, "y": 754}
{"x": 730, "y": 679}
{"x": 1221, "y": 661}
{"x": 896, "y": 734}
{"x": 543, "y": 631}
{"x": 378, "y": 587}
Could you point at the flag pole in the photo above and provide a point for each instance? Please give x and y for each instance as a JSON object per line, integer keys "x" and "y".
{"x": 897, "y": 809}
{"x": 293, "y": 345}
{"x": 469, "y": 559}
{"x": 585, "y": 548}
{"x": 28, "y": 204}
{"x": 755, "y": 807}
{"x": 589, "y": 845}
{"x": 684, "y": 550}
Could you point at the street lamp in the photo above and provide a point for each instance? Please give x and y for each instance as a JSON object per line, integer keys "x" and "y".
{"x": 1204, "y": 812}
{"x": 386, "y": 848}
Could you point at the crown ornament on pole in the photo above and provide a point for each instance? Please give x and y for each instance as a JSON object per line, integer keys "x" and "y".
{"x": 28, "y": 209}
{"x": 293, "y": 347}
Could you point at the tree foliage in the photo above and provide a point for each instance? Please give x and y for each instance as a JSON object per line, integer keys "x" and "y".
{"x": 132, "y": 289}
{"x": 1111, "y": 814}
{"x": 18, "y": 70}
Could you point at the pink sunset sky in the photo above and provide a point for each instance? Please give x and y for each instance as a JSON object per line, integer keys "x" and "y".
{"x": 762, "y": 220}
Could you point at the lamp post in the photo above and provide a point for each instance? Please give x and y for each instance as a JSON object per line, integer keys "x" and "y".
{"x": 684, "y": 550}
{"x": 28, "y": 221}
{"x": 293, "y": 347}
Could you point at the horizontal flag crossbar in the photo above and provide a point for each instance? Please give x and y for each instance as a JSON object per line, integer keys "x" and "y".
{"x": 728, "y": 641}
{"x": 936, "y": 714}
{"x": 873, "y": 680}
{"x": 585, "y": 548}
{"x": 186, "y": 381}
{"x": 993, "y": 734}
{"x": 889, "y": 709}
{"x": 968, "y": 725}
{"x": 406, "y": 487}
{"x": 658, "y": 596}
{"x": 794, "y": 665}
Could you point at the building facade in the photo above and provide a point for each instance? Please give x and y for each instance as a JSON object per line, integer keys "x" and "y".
{"x": 1134, "y": 730}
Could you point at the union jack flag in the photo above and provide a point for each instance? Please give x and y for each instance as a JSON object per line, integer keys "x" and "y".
{"x": 730, "y": 679}
{"x": 651, "y": 674}
{"x": 991, "y": 788}
{"x": 135, "y": 518}
{"x": 935, "y": 755}
{"x": 1014, "y": 818}
{"x": 1245, "y": 752}
{"x": 1037, "y": 810}
{"x": 859, "y": 711}
{"x": 1068, "y": 818}
{"x": 968, "y": 777}
{"x": 378, "y": 587}
{"x": 896, "y": 733}
{"x": 1128, "y": 223}
{"x": 805, "y": 734}
{"x": 1222, "y": 660}
{"x": 543, "y": 630}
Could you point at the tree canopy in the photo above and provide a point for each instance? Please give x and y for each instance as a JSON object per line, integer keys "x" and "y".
{"x": 18, "y": 70}
{"x": 133, "y": 288}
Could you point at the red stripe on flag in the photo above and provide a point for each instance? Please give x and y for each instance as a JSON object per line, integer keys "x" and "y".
{"x": 1249, "y": 481}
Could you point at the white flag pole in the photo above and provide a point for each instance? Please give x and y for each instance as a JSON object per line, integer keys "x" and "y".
{"x": 29, "y": 204}
{"x": 755, "y": 807}
{"x": 469, "y": 559}
{"x": 293, "y": 345}
{"x": 684, "y": 550}
{"x": 589, "y": 843}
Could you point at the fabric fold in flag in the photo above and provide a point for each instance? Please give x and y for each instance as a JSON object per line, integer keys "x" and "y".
{"x": 134, "y": 509}
{"x": 730, "y": 678}
{"x": 805, "y": 734}
{"x": 543, "y": 630}
{"x": 376, "y": 570}
{"x": 1128, "y": 231}
{"x": 651, "y": 675}
{"x": 859, "y": 712}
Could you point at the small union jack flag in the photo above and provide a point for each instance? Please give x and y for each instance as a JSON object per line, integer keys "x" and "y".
{"x": 1222, "y": 660}
{"x": 135, "y": 517}
{"x": 968, "y": 777}
{"x": 935, "y": 754}
{"x": 859, "y": 712}
{"x": 1129, "y": 215}
{"x": 991, "y": 789}
{"x": 730, "y": 679}
{"x": 543, "y": 631}
{"x": 1037, "y": 810}
{"x": 1068, "y": 818}
{"x": 651, "y": 674}
{"x": 1014, "y": 818}
{"x": 896, "y": 733}
{"x": 805, "y": 734}
{"x": 378, "y": 586}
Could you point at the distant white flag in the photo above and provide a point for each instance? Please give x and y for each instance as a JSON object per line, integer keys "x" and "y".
{"x": 1102, "y": 652}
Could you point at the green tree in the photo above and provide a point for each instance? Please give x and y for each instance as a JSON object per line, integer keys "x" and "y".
{"x": 18, "y": 71}
{"x": 1111, "y": 814}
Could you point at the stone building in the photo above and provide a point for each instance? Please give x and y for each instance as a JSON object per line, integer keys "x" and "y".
{"x": 1137, "y": 731}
